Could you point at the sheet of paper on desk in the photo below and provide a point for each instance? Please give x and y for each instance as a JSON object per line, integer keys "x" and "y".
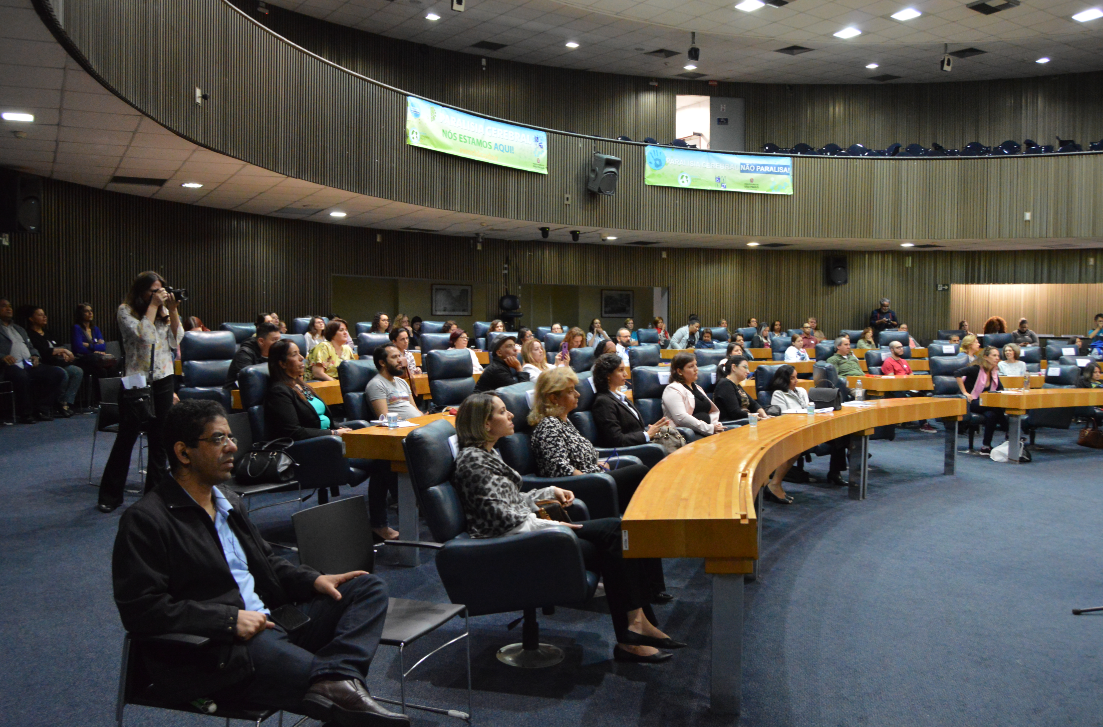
{"x": 398, "y": 425}
{"x": 858, "y": 404}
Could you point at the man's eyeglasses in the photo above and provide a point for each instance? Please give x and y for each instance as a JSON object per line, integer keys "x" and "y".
{"x": 218, "y": 440}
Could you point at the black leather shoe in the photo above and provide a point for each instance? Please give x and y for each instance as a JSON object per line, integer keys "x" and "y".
{"x": 634, "y": 639}
{"x": 106, "y": 507}
{"x": 771, "y": 497}
{"x": 44, "y": 416}
{"x": 658, "y": 657}
{"x": 64, "y": 411}
{"x": 836, "y": 479}
{"x": 29, "y": 419}
{"x": 662, "y": 598}
{"x": 348, "y": 703}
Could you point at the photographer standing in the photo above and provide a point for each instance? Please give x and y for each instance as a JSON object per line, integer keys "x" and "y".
{"x": 148, "y": 324}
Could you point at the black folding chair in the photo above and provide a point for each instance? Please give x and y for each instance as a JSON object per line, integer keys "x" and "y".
{"x": 107, "y": 420}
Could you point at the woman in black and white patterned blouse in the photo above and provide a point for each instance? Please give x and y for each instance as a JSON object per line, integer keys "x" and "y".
{"x": 494, "y": 505}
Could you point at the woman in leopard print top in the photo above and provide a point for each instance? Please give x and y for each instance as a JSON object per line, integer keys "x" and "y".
{"x": 495, "y": 507}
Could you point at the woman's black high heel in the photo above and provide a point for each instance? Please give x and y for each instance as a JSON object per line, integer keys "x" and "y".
{"x": 771, "y": 497}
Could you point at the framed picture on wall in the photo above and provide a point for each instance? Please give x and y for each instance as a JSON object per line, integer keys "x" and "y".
{"x": 616, "y": 304}
{"x": 451, "y": 300}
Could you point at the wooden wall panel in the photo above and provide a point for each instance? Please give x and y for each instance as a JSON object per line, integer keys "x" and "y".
{"x": 94, "y": 243}
{"x": 1057, "y": 309}
{"x": 277, "y": 107}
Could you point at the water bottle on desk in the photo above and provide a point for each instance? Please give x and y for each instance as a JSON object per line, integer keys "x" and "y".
{"x": 859, "y": 392}
{"x": 752, "y": 419}
{"x": 811, "y": 409}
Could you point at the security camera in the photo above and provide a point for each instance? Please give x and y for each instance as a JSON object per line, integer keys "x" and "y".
{"x": 544, "y": 232}
{"x": 947, "y": 64}
{"x": 694, "y": 53}
{"x": 574, "y": 235}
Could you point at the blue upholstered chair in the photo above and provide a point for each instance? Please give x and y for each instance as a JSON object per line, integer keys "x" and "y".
{"x": 825, "y": 350}
{"x": 299, "y": 325}
{"x": 1031, "y": 355}
{"x": 242, "y": 331}
{"x": 710, "y": 356}
{"x": 542, "y": 331}
{"x": 598, "y": 491}
{"x": 778, "y": 346}
{"x": 435, "y": 342}
{"x": 480, "y": 329}
{"x": 853, "y": 334}
{"x": 492, "y": 337}
{"x": 794, "y": 332}
{"x": 823, "y": 371}
{"x": 366, "y": 343}
{"x": 645, "y": 354}
{"x": 647, "y": 335}
{"x": 450, "y": 376}
{"x": 432, "y": 327}
{"x": 944, "y": 334}
{"x": 363, "y": 327}
{"x": 939, "y": 348}
{"x": 945, "y": 387}
{"x": 763, "y": 375}
{"x": 298, "y": 339}
{"x": 524, "y": 572}
{"x": 748, "y": 334}
{"x": 888, "y": 337}
{"x": 552, "y": 342}
{"x": 1058, "y": 376}
{"x": 719, "y": 333}
{"x": 999, "y": 340}
{"x": 206, "y": 357}
{"x": 583, "y": 420}
{"x": 321, "y": 460}
{"x": 582, "y": 359}
{"x": 874, "y": 359}
{"x": 354, "y": 377}
{"x": 706, "y": 377}
{"x": 1057, "y": 349}
{"x": 648, "y": 383}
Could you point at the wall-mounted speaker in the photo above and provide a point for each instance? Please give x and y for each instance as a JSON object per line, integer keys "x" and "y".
{"x": 604, "y": 172}
{"x": 20, "y": 202}
{"x": 835, "y": 272}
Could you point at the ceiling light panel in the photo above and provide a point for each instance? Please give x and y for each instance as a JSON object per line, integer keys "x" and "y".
{"x": 1092, "y": 14}
{"x": 1042, "y": 60}
{"x": 749, "y": 6}
{"x": 906, "y": 14}
{"x": 17, "y": 116}
{"x": 847, "y": 33}
{"x": 572, "y": 44}
{"x": 432, "y": 16}
{"x": 871, "y": 66}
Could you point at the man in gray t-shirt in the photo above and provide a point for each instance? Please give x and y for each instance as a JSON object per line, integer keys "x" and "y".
{"x": 388, "y": 392}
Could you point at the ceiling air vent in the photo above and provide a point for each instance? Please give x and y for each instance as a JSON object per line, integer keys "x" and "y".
{"x": 884, "y": 78}
{"x": 794, "y": 50}
{"x": 643, "y": 243}
{"x": 927, "y": 247}
{"x": 991, "y": 7}
{"x": 139, "y": 181}
{"x": 662, "y": 53}
{"x": 774, "y": 244}
{"x": 967, "y": 52}
{"x": 777, "y": 3}
{"x": 487, "y": 45}
{"x": 690, "y": 75}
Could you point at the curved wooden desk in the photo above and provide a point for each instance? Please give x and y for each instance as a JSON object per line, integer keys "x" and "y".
{"x": 699, "y": 503}
{"x": 1017, "y": 403}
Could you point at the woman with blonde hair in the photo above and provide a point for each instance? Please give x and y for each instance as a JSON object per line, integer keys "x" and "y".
{"x": 982, "y": 375}
{"x": 970, "y": 346}
{"x": 534, "y": 360}
{"x": 495, "y": 507}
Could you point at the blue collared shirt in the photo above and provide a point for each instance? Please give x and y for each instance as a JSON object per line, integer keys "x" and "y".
{"x": 235, "y": 554}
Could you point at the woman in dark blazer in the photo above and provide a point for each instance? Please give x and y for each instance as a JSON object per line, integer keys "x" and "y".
{"x": 291, "y": 409}
{"x": 734, "y": 403}
{"x": 616, "y": 419}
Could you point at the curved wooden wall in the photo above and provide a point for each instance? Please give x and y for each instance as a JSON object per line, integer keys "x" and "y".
{"x": 274, "y": 105}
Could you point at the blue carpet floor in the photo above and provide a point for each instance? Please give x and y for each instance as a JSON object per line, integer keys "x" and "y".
{"x": 937, "y": 601}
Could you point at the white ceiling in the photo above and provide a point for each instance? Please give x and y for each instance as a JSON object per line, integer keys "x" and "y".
{"x": 84, "y": 134}
{"x": 614, "y": 35}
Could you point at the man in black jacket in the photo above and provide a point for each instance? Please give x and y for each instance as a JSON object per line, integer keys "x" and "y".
{"x": 504, "y": 369}
{"x": 255, "y": 350}
{"x": 187, "y": 560}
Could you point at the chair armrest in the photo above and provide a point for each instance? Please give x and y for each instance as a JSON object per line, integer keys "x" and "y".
{"x": 353, "y": 424}
{"x": 172, "y": 639}
{"x": 689, "y": 434}
{"x": 649, "y": 454}
{"x": 514, "y": 572}
{"x": 414, "y": 544}
{"x": 321, "y": 462}
{"x": 735, "y": 424}
{"x": 599, "y": 490}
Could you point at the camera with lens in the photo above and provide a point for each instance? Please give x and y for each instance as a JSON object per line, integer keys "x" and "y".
{"x": 181, "y": 294}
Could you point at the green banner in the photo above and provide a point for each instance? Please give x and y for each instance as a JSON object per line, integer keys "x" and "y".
{"x": 446, "y": 130}
{"x": 692, "y": 169}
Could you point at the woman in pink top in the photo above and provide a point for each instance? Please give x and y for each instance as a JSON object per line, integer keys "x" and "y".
{"x": 976, "y": 379}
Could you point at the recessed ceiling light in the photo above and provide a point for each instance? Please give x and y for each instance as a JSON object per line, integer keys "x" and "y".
{"x": 906, "y": 14}
{"x": 1088, "y": 15}
{"x": 572, "y": 44}
{"x": 752, "y": 244}
{"x": 16, "y": 116}
{"x": 191, "y": 185}
{"x": 337, "y": 213}
{"x": 1043, "y": 59}
{"x": 871, "y": 66}
{"x": 610, "y": 237}
{"x": 749, "y": 6}
{"x": 907, "y": 244}
{"x": 848, "y": 33}
{"x": 432, "y": 16}
{"x": 690, "y": 67}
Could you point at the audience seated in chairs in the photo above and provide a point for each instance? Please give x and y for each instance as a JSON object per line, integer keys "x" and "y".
{"x": 970, "y": 346}
{"x": 495, "y": 507}
{"x": 787, "y": 396}
{"x": 88, "y": 344}
{"x": 604, "y": 347}
{"x": 497, "y": 326}
{"x": 1023, "y": 336}
{"x": 808, "y": 338}
{"x": 796, "y": 350}
{"x": 150, "y": 328}
{"x": 1091, "y": 377}
{"x": 35, "y": 387}
{"x": 912, "y": 343}
{"x": 660, "y": 329}
{"x": 844, "y": 360}
{"x": 400, "y": 337}
{"x": 459, "y": 339}
{"x": 633, "y": 334}
{"x": 731, "y": 399}
{"x": 597, "y": 333}
{"x": 685, "y": 402}
{"x": 415, "y": 333}
{"x": 576, "y": 338}
{"x": 315, "y": 333}
{"x": 557, "y": 328}
{"x": 617, "y": 421}
{"x": 255, "y": 350}
{"x": 380, "y": 323}
{"x": 504, "y": 369}
{"x": 524, "y": 335}
{"x": 896, "y": 364}
{"x": 171, "y": 576}
{"x": 686, "y": 337}
{"x": 51, "y": 353}
{"x": 983, "y": 375}
{"x": 866, "y": 341}
{"x": 194, "y": 323}
{"x": 328, "y": 355}
{"x": 995, "y": 324}
{"x": 1011, "y": 365}
{"x": 814, "y": 325}
{"x": 279, "y": 324}
{"x": 705, "y": 341}
{"x": 624, "y": 342}
{"x": 534, "y": 359}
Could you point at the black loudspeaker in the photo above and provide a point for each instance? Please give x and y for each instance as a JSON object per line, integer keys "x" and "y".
{"x": 20, "y": 202}
{"x": 835, "y": 270}
{"x": 604, "y": 172}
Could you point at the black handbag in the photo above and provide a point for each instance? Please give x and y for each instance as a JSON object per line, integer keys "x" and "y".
{"x": 267, "y": 463}
{"x": 824, "y": 397}
{"x": 137, "y": 404}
